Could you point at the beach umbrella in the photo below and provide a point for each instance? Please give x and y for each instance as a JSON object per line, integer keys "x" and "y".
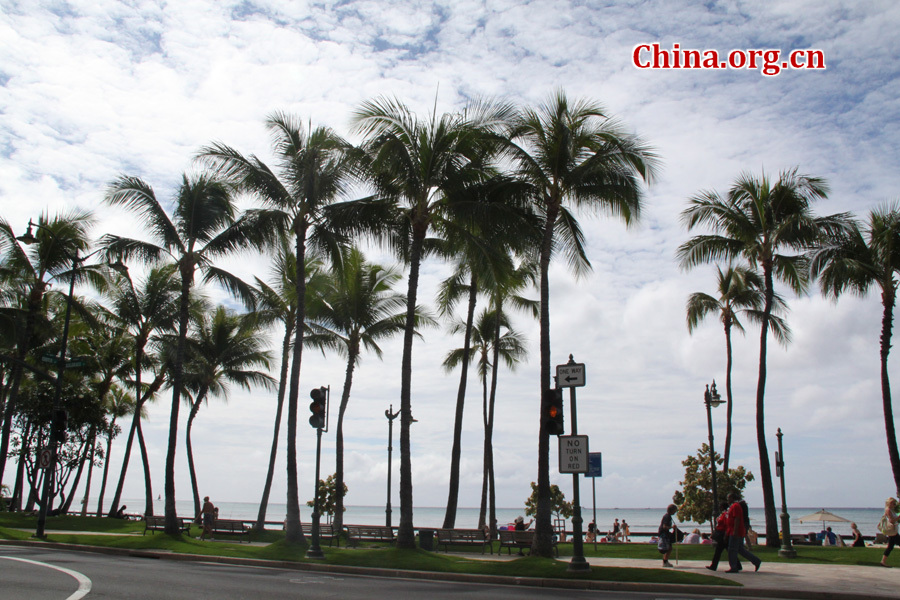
{"x": 823, "y": 516}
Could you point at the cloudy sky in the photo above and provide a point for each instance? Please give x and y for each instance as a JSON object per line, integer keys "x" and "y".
{"x": 92, "y": 90}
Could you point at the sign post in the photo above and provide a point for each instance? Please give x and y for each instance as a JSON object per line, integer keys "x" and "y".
{"x": 575, "y": 450}
{"x": 595, "y": 470}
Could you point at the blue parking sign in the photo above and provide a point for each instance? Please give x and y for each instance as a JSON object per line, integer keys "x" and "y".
{"x": 595, "y": 464}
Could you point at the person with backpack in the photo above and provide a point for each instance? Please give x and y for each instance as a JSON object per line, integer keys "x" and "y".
{"x": 888, "y": 526}
{"x": 666, "y": 534}
{"x": 737, "y": 530}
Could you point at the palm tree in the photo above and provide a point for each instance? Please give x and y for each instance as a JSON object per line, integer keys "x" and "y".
{"x": 119, "y": 403}
{"x": 739, "y": 291}
{"x": 203, "y": 228}
{"x": 146, "y": 310}
{"x": 857, "y": 260}
{"x": 357, "y": 310}
{"x": 759, "y": 219}
{"x": 571, "y": 155}
{"x": 50, "y": 259}
{"x": 224, "y": 349}
{"x": 423, "y": 168}
{"x": 313, "y": 172}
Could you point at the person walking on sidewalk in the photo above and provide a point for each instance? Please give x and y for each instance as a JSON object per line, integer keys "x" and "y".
{"x": 737, "y": 529}
{"x": 890, "y": 530}
{"x": 720, "y": 536}
{"x": 666, "y": 539}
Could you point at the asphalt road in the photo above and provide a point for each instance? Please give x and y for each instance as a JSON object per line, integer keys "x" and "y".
{"x": 39, "y": 574}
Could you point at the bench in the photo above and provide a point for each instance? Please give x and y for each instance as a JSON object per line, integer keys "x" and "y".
{"x": 326, "y": 532}
{"x": 520, "y": 540}
{"x": 467, "y": 537}
{"x": 367, "y": 533}
{"x": 154, "y": 524}
{"x": 231, "y": 526}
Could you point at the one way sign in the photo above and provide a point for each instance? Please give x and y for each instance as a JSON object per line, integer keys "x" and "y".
{"x": 570, "y": 375}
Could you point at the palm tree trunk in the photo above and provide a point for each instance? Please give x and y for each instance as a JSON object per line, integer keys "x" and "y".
{"x": 136, "y": 418}
{"x": 728, "y": 363}
{"x": 406, "y": 536}
{"x": 486, "y": 452}
{"x": 279, "y": 408}
{"x": 87, "y": 484}
{"x": 887, "y": 324}
{"x": 456, "y": 451}
{"x": 293, "y": 530}
{"x": 490, "y": 427}
{"x": 145, "y": 459}
{"x": 105, "y": 468}
{"x": 339, "y": 438}
{"x": 187, "y": 277}
{"x": 82, "y": 452}
{"x": 16, "y": 503}
{"x": 543, "y": 528}
{"x": 195, "y": 407}
{"x": 765, "y": 471}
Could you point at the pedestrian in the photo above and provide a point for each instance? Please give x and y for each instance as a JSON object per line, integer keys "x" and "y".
{"x": 666, "y": 534}
{"x": 208, "y": 517}
{"x": 889, "y": 529}
{"x": 591, "y": 532}
{"x": 720, "y": 536}
{"x": 615, "y": 531}
{"x": 737, "y": 530}
{"x": 626, "y": 531}
{"x": 858, "y": 541}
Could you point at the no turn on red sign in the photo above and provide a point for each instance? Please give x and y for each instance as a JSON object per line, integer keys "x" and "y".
{"x": 44, "y": 458}
{"x": 573, "y": 454}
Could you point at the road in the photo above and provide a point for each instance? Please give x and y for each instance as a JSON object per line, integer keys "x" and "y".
{"x": 48, "y": 574}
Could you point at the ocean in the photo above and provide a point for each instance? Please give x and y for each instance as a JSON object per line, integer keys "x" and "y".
{"x": 640, "y": 520}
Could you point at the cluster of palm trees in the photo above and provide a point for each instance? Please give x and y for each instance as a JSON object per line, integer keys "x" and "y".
{"x": 763, "y": 230}
{"x": 493, "y": 189}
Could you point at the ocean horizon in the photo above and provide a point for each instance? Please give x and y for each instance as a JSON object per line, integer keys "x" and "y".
{"x": 640, "y": 520}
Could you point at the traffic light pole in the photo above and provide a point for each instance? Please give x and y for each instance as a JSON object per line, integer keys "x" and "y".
{"x": 319, "y": 419}
{"x": 578, "y": 563}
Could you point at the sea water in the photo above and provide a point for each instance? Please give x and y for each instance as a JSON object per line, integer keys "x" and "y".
{"x": 640, "y": 520}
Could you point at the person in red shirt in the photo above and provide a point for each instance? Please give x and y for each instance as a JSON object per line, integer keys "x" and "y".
{"x": 720, "y": 536}
{"x": 737, "y": 530}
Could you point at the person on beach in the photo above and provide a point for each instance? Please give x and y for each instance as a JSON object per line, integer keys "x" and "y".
{"x": 858, "y": 541}
{"x": 591, "y": 533}
{"x": 890, "y": 513}
{"x": 208, "y": 516}
{"x": 720, "y": 536}
{"x": 737, "y": 530}
{"x": 667, "y": 534}
{"x": 520, "y": 523}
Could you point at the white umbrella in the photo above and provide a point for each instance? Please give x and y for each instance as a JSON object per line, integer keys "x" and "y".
{"x": 822, "y": 516}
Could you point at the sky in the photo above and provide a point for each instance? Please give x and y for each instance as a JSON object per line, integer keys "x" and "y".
{"x": 93, "y": 90}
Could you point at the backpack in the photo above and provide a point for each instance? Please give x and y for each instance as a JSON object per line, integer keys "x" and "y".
{"x": 746, "y": 510}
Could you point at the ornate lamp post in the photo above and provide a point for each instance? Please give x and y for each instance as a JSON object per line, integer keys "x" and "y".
{"x": 391, "y": 415}
{"x": 712, "y": 398}
{"x": 787, "y": 548}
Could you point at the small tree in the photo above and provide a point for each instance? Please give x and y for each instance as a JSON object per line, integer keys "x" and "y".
{"x": 695, "y": 499}
{"x": 327, "y": 494}
{"x": 558, "y": 505}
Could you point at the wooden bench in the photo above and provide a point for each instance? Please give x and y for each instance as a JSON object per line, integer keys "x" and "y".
{"x": 326, "y": 532}
{"x": 367, "y": 533}
{"x": 231, "y": 527}
{"x": 520, "y": 540}
{"x": 466, "y": 537}
{"x": 154, "y": 524}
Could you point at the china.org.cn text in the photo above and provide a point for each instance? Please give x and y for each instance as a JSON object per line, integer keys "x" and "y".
{"x": 769, "y": 62}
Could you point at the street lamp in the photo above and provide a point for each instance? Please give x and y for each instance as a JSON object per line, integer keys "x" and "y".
{"x": 787, "y": 547}
{"x": 712, "y": 398}
{"x": 391, "y": 415}
{"x": 56, "y": 422}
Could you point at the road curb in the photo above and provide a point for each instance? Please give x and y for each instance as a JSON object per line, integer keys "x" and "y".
{"x": 564, "y": 584}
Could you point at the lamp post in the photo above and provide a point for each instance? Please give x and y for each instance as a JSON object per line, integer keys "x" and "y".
{"x": 390, "y": 417}
{"x": 56, "y": 422}
{"x": 712, "y": 398}
{"x": 787, "y": 548}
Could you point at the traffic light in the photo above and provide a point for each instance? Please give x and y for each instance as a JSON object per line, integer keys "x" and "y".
{"x": 318, "y": 407}
{"x": 553, "y": 411}
{"x": 59, "y": 425}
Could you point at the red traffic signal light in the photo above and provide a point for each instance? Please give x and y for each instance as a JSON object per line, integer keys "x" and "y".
{"x": 553, "y": 411}
{"x": 318, "y": 407}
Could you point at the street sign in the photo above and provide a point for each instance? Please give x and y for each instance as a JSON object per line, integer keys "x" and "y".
{"x": 49, "y": 358}
{"x": 44, "y": 458}
{"x": 570, "y": 375}
{"x": 595, "y": 464}
{"x": 573, "y": 454}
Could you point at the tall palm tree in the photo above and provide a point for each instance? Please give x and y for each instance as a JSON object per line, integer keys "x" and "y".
{"x": 146, "y": 310}
{"x": 740, "y": 290}
{"x": 225, "y": 348}
{"x": 203, "y": 228}
{"x": 857, "y": 260}
{"x": 59, "y": 238}
{"x": 118, "y": 403}
{"x": 423, "y": 168}
{"x": 571, "y": 155}
{"x": 759, "y": 220}
{"x": 358, "y": 309}
{"x": 312, "y": 172}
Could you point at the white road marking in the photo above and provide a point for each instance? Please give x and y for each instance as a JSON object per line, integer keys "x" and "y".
{"x": 84, "y": 584}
